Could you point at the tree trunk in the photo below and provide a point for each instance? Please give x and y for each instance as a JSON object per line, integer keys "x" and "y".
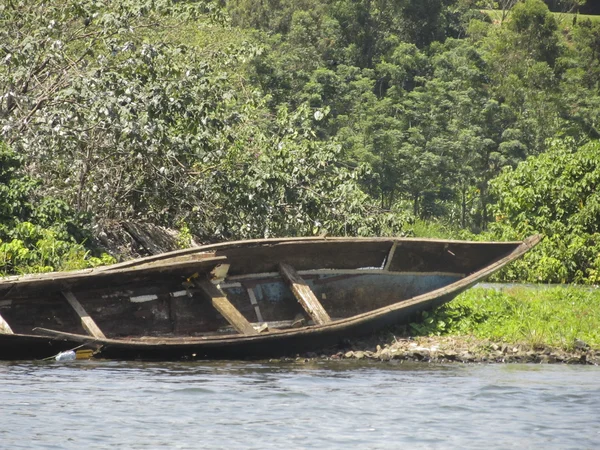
{"x": 463, "y": 212}
{"x": 416, "y": 205}
{"x": 83, "y": 174}
{"x": 484, "y": 206}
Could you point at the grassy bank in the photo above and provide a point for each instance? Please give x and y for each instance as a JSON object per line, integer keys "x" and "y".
{"x": 562, "y": 317}
{"x": 563, "y": 19}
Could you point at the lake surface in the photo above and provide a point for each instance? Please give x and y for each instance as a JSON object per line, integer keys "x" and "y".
{"x": 316, "y": 405}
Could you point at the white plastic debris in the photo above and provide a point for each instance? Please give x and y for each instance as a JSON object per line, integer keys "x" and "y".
{"x": 69, "y": 355}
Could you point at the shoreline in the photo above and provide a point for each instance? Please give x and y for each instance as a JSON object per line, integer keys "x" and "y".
{"x": 461, "y": 349}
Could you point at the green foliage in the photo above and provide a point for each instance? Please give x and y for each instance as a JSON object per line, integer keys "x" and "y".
{"x": 431, "y": 229}
{"x": 124, "y": 123}
{"x": 18, "y": 202}
{"x": 245, "y": 119}
{"x": 14, "y": 189}
{"x": 41, "y": 237}
{"x": 565, "y": 20}
{"x": 290, "y": 184}
{"x": 435, "y": 119}
{"x": 554, "y": 194}
{"x": 535, "y": 30}
{"x": 32, "y": 249}
{"x": 534, "y": 316}
{"x": 184, "y": 239}
{"x": 160, "y": 130}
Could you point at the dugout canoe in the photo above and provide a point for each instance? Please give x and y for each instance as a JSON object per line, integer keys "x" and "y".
{"x": 245, "y": 299}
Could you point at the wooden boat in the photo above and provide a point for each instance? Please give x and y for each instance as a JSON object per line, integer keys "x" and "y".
{"x": 246, "y": 299}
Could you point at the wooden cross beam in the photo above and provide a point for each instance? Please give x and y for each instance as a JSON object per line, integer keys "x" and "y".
{"x": 224, "y": 306}
{"x": 86, "y": 321}
{"x": 304, "y": 294}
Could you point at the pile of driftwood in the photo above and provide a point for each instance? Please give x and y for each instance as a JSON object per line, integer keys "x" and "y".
{"x": 128, "y": 240}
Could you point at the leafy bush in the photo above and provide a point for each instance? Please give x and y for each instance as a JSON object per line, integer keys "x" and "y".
{"x": 39, "y": 237}
{"x": 556, "y": 194}
{"x": 289, "y": 183}
{"x": 34, "y": 249}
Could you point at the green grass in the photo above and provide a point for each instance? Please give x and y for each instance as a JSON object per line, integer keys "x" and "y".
{"x": 534, "y": 316}
{"x": 431, "y": 229}
{"x": 563, "y": 19}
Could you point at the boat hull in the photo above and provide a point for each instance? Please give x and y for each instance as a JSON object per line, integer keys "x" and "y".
{"x": 15, "y": 347}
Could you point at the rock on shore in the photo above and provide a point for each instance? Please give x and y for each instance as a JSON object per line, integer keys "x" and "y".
{"x": 469, "y": 350}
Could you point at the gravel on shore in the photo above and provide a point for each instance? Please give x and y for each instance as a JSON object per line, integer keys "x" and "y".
{"x": 444, "y": 349}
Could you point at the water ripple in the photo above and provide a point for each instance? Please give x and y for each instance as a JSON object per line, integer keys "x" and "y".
{"x": 317, "y": 405}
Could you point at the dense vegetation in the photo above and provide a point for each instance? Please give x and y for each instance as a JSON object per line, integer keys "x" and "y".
{"x": 239, "y": 119}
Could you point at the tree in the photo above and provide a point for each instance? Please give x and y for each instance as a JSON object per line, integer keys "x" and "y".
{"x": 120, "y": 120}
{"x": 535, "y": 31}
{"x": 95, "y": 108}
{"x": 524, "y": 74}
{"x": 291, "y": 183}
{"x": 14, "y": 189}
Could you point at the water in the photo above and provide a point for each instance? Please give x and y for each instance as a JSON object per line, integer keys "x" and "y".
{"x": 316, "y": 405}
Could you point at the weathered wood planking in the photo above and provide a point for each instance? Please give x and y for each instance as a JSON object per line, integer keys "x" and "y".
{"x": 304, "y": 294}
{"x": 224, "y": 247}
{"x": 29, "y": 285}
{"x": 86, "y": 321}
{"x": 390, "y": 256}
{"x": 224, "y": 306}
{"x": 440, "y": 256}
{"x": 333, "y": 254}
{"x": 254, "y": 303}
{"x": 4, "y": 327}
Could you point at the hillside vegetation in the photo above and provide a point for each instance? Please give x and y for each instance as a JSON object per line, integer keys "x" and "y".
{"x": 239, "y": 119}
